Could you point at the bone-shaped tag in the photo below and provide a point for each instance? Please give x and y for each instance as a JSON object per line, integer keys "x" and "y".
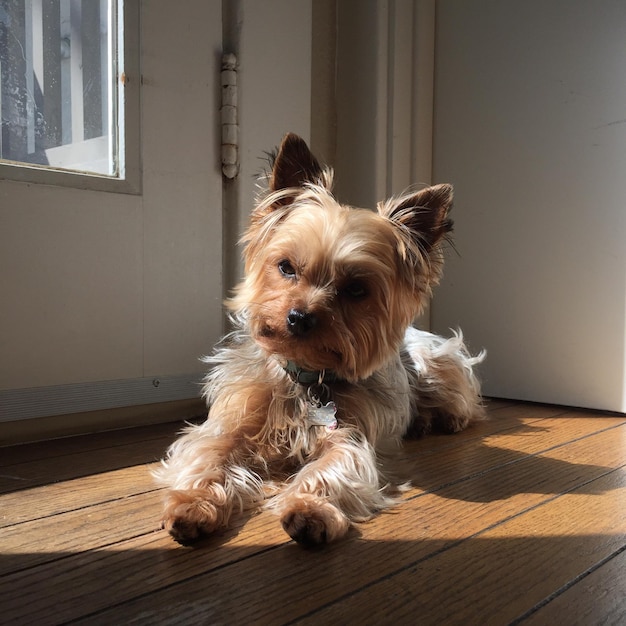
{"x": 323, "y": 415}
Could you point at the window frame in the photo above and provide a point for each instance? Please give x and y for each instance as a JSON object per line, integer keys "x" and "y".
{"x": 129, "y": 180}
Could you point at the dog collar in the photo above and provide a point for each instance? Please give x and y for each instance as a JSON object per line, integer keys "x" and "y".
{"x": 308, "y": 377}
{"x": 320, "y": 409}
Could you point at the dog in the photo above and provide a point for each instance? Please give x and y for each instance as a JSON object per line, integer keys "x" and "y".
{"x": 323, "y": 375}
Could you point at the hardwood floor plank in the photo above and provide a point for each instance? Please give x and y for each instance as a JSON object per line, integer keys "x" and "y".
{"x": 499, "y": 574}
{"x": 515, "y": 419}
{"x": 31, "y": 543}
{"x": 39, "y": 502}
{"x": 430, "y": 468}
{"x": 597, "y": 598}
{"x": 526, "y": 409}
{"x": 28, "y": 452}
{"x": 72, "y": 587}
{"x": 42, "y": 472}
{"x": 493, "y": 404}
{"x": 552, "y": 472}
{"x": 442, "y": 577}
{"x": 425, "y": 525}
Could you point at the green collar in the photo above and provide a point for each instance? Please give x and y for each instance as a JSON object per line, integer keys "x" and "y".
{"x": 307, "y": 377}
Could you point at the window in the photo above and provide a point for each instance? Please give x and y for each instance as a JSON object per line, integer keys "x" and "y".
{"x": 63, "y": 90}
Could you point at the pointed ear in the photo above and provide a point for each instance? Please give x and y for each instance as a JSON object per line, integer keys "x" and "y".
{"x": 423, "y": 215}
{"x": 294, "y": 165}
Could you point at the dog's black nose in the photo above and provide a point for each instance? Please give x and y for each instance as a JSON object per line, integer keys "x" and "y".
{"x": 299, "y": 322}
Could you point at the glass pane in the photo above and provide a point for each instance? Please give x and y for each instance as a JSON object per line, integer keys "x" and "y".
{"x": 58, "y": 87}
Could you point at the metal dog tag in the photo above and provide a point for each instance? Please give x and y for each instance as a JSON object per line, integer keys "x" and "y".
{"x": 323, "y": 415}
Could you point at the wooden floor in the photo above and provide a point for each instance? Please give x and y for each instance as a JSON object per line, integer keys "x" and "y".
{"x": 521, "y": 520}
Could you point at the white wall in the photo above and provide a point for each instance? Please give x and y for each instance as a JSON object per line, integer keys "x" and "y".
{"x": 272, "y": 41}
{"x": 384, "y": 98}
{"x": 100, "y": 286}
{"x": 103, "y": 292}
{"x": 181, "y": 209}
{"x": 530, "y": 109}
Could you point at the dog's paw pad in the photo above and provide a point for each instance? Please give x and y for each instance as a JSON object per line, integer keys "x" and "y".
{"x": 185, "y": 531}
{"x": 189, "y": 516}
{"x": 314, "y": 523}
{"x": 307, "y": 531}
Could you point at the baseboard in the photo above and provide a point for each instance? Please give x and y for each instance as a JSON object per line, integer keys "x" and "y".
{"x": 44, "y": 428}
{"x": 37, "y": 402}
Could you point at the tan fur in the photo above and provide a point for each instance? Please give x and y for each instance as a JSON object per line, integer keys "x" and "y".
{"x": 334, "y": 289}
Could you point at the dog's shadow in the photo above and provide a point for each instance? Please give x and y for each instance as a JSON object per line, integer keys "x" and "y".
{"x": 476, "y": 469}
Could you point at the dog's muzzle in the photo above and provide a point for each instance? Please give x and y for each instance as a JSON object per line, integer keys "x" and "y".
{"x": 300, "y": 323}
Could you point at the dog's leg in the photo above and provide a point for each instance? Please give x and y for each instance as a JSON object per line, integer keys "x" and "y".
{"x": 445, "y": 388}
{"x": 206, "y": 484}
{"x": 341, "y": 485}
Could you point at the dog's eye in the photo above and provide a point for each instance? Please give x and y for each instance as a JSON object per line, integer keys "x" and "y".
{"x": 286, "y": 269}
{"x": 356, "y": 289}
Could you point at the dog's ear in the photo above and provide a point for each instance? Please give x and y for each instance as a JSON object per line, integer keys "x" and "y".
{"x": 294, "y": 165}
{"x": 423, "y": 215}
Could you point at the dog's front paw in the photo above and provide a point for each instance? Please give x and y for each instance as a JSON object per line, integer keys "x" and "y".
{"x": 312, "y": 521}
{"x": 193, "y": 513}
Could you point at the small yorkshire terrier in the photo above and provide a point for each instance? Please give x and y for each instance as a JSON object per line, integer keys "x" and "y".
{"x": 323, "y": 375}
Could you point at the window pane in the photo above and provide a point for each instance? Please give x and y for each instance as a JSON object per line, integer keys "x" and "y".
{"x": 58, "y": 87}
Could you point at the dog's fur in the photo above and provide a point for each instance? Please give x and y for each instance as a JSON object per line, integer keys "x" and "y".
{"x": 321, "y": 316}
